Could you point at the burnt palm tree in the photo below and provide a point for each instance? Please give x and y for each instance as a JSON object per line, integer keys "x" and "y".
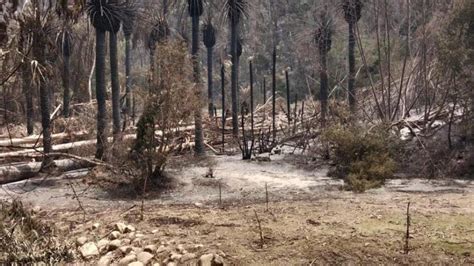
{"x": 352, "y": 13}
{"x": 66, "y": 48}
{"x": 235, "y": 10}
{"x": 105, "y": 16}
{"x": 127, "y": 28}
{"x": 323, "y": 40}
{"x": 114, "y": 75}
{"x": 195, "y": 9}
{"x": 209, "y": 38}
{"x": 40, "y": 31}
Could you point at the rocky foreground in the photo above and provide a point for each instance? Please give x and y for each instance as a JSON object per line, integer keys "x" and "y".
{"x": 125, "y": 245}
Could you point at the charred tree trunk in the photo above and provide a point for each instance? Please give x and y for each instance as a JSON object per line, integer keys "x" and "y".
{"x": 199, "y": 138}
{"x": 26, "y": 81}
{"x": 39, "y": 43}
{"x": 274, "y": 93}
{"x": 288, "y": 97}
{"x": 234, "y": 78}
{"x": 115, "y": 83}
{"x": 128, "y": 70}
{"x": 100, "y": 95}
{"x": 224, "y": 113}
{"x": 351, "y": 81}
{"x": 323, "y": 86}
{"x": 209, "y": 82}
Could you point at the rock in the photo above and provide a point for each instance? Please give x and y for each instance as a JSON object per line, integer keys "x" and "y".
{"x": 131, "y": 235}
{"x": 102, "y": 244}
{"x": 136, "y": 263}
{"x": 126, "y": 241}
{"x": 89, "y": 250}
{"x": 180, "y": 248}
{"x": 81, "y": 241}
{"x": 114, "y": 235}
{"x": 198, "y": 204}
{"x": 188, "y": 256}
{"x": 125, "y": 249}
{"x": 171, "y": 263}
{"x": 155, "y": 231}
{"x": 161, "y": 249}
{"x": 114, "y": 244}
{"x": 144, "y": 257}
{"x": 221, "y": 253}
{"x": 105, "y": 260}
{"x": 120, "y": 227}
{"x": 156, "y": 264}
{"x": 129, "y": 229}
{"x": 206, "y": 260}
{"x": 217, "y": 261}
{"x": 211, "y": 260}
{"x": 137, "y": 242}
{"x": 139, "y": 235}
{"x": 95, "y": 226}
{"x": 198, "y": 246}
{"x": 175, "y": 256}
{"x": 127, "y": 259}
{"x": 150, "y": 248}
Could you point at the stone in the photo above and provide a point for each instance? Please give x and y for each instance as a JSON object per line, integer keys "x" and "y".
{"x": 131, "y": 235}
{"x": 114, "y": 244}
{"x": 198, "y": 246}
{"x": 89, "y": 250}
{"x": 126, "y": 241}
{"x": 136, "y": 263}
{"x": 156, "y": 264}
{"x": 150, "y": 248}
{"x": 188, "y": 256}
{"x": 171, "y": 263}
{"x": 115, "y": 235}
{"x": 155, "y": 231}
{"x": 127, "y": 259}
{"x": 95, "y": 226}
{"x": 180, "y": 248}
{"x": 161, "y": 249}
{"x": 105, "y": 260}
{"x": 102, "y": 245}
{"x": 139, "y": 235}
{"x": 217, "y": 261}
{"x": 211, "y": 260}
{"x": 206, "y": 260}
{"x": 144, "y": 257}
{"x": 120, "y": 227}
{"x": 81, "y": 241}
{"x": 175, "y": 256}
{"x": 125, "y": 249}
{"x": 129, "y": 229}
{"x": 137, "y": 242}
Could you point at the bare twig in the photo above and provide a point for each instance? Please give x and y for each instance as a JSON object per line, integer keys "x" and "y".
{"x": 260, "y": 229}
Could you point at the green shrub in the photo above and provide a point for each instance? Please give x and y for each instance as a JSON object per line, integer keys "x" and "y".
{"x": 363, "y": 158}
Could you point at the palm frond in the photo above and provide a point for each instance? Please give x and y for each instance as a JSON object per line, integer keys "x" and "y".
{"x": 234, "y": 10}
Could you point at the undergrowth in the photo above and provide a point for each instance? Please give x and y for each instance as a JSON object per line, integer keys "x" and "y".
{"x": 24, "y": 239}
{"x": 363, "y": 158}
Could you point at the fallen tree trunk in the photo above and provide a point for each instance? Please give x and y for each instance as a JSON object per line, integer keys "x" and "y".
{"x": 67, "y": 146}
{"x": 19, "y": 172}
{"x": 37, "y": 138}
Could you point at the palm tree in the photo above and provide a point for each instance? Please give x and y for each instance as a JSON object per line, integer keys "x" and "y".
{"x": 209, "y": 38}
{"x": 66, "y": 48}
{"x": 235, "y": 9}
{"x": 105, "y": 16}
{"x": 114, "y": 75}
{"x": 352, "y": 13}
{"x": 39, "y": 53}
{"x": 127, "y": 28}
{"x": 195, "y": 9}
{"x": 323, "y": 36}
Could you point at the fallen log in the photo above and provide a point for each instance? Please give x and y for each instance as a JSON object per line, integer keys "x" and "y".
{"x": 37, "y": 138}
{"x": 19, "y": 172}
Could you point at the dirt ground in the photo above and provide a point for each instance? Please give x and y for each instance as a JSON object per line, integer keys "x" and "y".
{"x": 309, "y": 221}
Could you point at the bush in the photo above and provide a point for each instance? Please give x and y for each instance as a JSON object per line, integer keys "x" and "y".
{"x": 363, "y": 158}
